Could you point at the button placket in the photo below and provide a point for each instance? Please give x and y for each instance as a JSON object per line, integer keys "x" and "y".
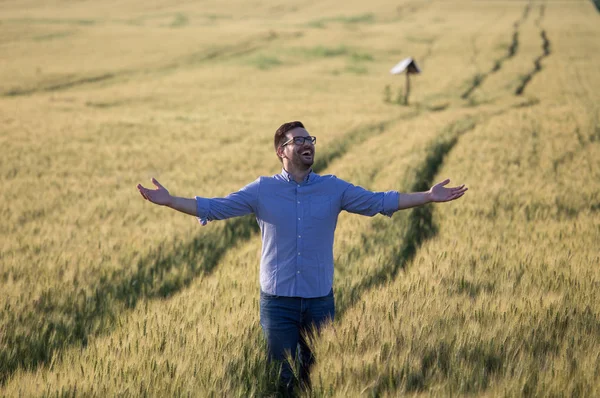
{"x": 299, "y": 215}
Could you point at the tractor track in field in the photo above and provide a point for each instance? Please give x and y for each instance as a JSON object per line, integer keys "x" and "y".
{"x": 420, "y": 220}
{"x": 69, "y": 82}
{"x": 480, "y": 78}
{"x": 188, "y": 60}
{"x": 418, "y": 226}
{"x": 513, "y": 48}
{"x": 63, "y": 319}
{"x": 541, "y": 15}
{"x": 537, "y": 62}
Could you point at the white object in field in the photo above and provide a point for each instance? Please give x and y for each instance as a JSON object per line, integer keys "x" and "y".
{"x": 408, "y": 64}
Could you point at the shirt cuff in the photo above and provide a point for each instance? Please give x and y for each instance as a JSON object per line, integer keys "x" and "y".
{"x": 202, "y": 210}
{"x": 390, "y": 202}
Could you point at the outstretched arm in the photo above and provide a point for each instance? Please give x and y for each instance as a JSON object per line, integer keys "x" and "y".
{"x": 437, "y": 193}
{"x": 162, "y": 197}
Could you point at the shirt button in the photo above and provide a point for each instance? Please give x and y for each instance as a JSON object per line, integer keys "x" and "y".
{"x": 298, "y": 272}
{"x": 298, "y": 218}
{"x": 299, "y": 236}
{"x": 298, "y": 253}
{"x": 298, "y": 201}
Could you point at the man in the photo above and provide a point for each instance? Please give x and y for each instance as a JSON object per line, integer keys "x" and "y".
{"x": 297, "y": 212}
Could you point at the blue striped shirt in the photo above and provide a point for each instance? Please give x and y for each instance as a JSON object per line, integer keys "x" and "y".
{"x": 297, "y": 223}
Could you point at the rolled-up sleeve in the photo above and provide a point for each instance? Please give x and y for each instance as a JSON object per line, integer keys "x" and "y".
{"x": 390, "y": 202}
{"x": 361, "y": 201}
{"x": 235, "y": 204}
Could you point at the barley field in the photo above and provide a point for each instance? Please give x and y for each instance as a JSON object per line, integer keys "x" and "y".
{"x": 104, "y": 294}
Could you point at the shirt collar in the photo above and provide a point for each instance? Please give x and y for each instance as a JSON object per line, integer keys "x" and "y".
{"x": 288, "y": 177}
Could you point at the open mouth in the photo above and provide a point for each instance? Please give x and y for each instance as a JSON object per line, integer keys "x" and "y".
{"x": 306, "y": 154}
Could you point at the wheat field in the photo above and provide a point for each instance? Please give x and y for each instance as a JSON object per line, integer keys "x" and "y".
{"x": 104, "y": 294}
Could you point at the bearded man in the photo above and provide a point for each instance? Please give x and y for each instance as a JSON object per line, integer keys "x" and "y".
{"x": 297, "y": 211}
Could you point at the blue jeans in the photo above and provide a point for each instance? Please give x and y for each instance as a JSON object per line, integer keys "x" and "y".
{"x": 288, "y": 323}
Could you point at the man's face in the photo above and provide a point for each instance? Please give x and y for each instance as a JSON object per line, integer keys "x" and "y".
{"x": 300, "y": 156}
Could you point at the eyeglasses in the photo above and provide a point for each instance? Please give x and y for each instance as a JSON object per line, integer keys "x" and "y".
{"x": 301, "y": 140}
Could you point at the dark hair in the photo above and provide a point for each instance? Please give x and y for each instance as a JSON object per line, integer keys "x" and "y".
{"x": 282, "y": 130}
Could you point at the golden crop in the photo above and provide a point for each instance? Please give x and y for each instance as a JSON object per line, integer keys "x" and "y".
{"x": 104, "y": 294}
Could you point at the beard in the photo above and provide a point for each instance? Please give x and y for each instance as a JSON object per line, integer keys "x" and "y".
{"x": 303, "y": 162}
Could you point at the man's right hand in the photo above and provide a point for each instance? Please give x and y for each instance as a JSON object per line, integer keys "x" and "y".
{"x": 159, "y": 196}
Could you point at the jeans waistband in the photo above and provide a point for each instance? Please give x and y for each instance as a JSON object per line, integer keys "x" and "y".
{"x": 267, "y": 295}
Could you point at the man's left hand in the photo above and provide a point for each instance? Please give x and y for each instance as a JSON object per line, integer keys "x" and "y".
{"x": 440, "y": 193}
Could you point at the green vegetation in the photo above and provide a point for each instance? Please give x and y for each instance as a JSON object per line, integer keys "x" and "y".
{"x": 179, "y": 20}
{"x": 367, "y": 18}
{"x": 265, "y": 62}
{"x": 327, "y": 52}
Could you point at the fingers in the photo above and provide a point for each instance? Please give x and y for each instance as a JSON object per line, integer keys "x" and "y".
{"x": 142, "y": 191}
{"x": 149, "y": 194}
{"x": 455, "y": 196}
{"x": 445, "y": 182}
{"x": 458, "y": 189}
{"x": 461, "y": 189}
{"x": 157, "y": 183}
{"x": 453, "y": 193}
